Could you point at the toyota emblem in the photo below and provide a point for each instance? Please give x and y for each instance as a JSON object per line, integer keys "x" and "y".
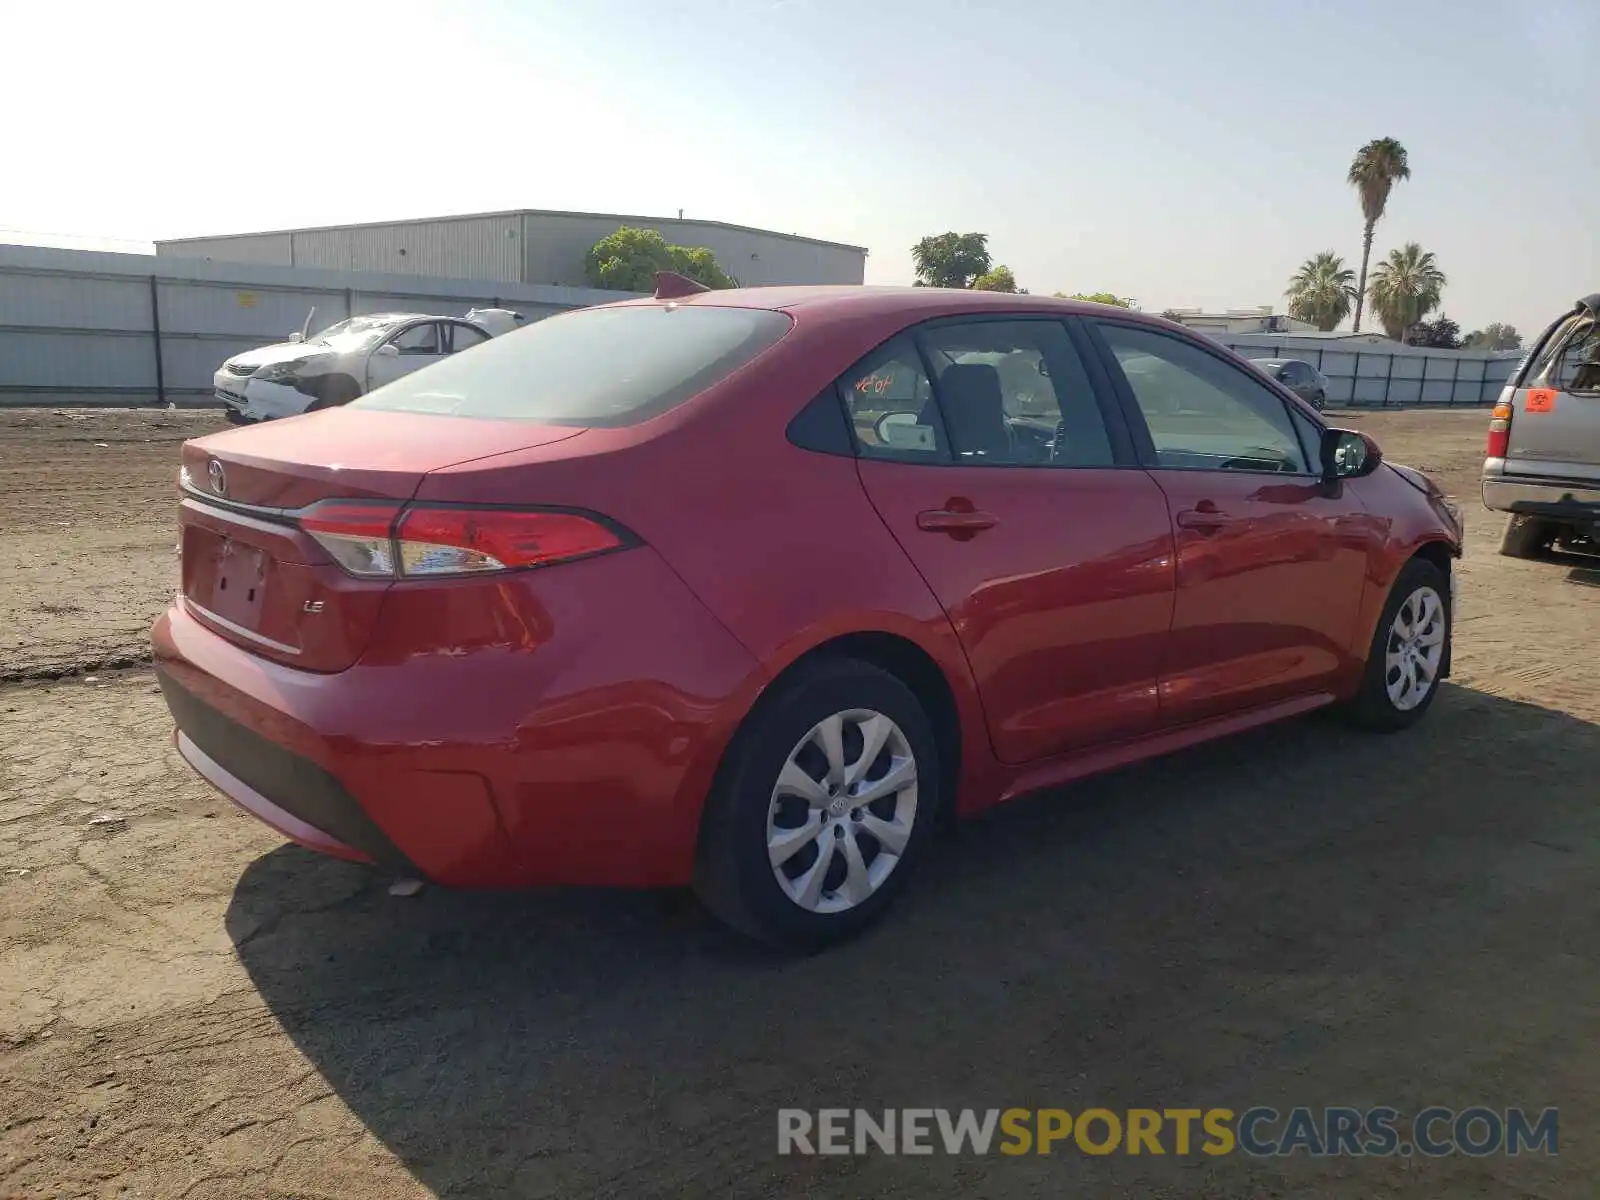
{"x": 218, "y": 477}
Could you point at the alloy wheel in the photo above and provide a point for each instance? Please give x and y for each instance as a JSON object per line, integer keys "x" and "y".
{"x": 1415, "y": 649}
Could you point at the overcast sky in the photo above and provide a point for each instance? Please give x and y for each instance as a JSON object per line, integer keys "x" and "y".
{"x": 1179, "y": 153}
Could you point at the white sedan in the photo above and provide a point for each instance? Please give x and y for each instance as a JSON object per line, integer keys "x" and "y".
{"x": 347, "y": 360}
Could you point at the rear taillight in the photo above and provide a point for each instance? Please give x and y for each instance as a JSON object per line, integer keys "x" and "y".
{"x": 469, "y": 541}
{"x": 357, "y": 534}
{"x": 1499, "y": 431}
{"x": 386, "y": 541}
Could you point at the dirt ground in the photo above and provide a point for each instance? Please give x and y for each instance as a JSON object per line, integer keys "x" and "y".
{"x": 1303, "y": 915}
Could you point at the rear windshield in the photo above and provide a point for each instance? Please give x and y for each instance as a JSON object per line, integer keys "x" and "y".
{"x": 596, "y": 367}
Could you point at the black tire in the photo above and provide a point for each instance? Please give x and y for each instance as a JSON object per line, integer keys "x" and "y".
{"x": 235, "y": 417}
{"x": 1528, "y": 537}
{"x": 1372, "y": 707}
{"x": 1319, "y": 401}
{"x": 733, "y": 875}
{"x": 334, "y": 392}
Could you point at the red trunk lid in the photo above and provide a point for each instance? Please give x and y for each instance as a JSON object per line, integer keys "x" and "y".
{"x": 254, "y": 577}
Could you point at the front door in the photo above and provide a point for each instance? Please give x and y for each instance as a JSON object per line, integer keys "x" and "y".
{"x": 985, "y": 451}
{"x": 404, "y": 351}
{"x": 1271, "y": 560}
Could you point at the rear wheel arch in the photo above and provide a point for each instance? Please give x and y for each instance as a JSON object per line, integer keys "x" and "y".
{"x": 335, "y": 390}
{"x": 895, "y": 655}
{"x": 916, "y": 668}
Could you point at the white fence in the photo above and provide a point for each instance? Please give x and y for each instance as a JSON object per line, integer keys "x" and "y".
{"x": 1383, "y": 375}
{"x": 79, "y": 327}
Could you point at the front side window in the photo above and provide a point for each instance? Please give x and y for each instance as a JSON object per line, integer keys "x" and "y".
{"x": 419, "y": 339}
{"x": 1015, "y": 393}
{"x": 597, "y": 367}
{"x": 1203, "y": 413}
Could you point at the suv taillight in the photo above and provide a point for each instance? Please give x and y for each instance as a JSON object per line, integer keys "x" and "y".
{"x": 1499, "y": 431}
{"x": 385, "y": 541}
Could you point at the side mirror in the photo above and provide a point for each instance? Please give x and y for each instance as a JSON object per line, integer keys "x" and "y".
{"x": 297, "y": 336}
{"x": 387, "y": 350}
{"x": 1347, "y": 454}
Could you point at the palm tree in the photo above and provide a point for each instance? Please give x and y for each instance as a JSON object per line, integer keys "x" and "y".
{"x": 1321, "y": 291}
{"x": 1377, "y": 167}
{"x": 1405, "y": 288}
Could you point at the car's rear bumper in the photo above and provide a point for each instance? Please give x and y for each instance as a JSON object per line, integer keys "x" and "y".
{"x": 1556, "y": 498}
{"x": 253, "y": 802}
{"x": 569, "y": 739}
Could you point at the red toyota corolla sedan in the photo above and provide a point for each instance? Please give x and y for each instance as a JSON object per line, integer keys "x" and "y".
{"x": 746, "y": 588}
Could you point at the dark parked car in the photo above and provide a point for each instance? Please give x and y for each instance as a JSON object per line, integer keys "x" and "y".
{"x": 1543, "y": 458}
{"x": 746, "y": 588}
{"x": 1299, "y": 377}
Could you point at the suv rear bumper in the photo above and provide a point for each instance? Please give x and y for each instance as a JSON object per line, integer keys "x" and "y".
{"x": 1542, "y": 497}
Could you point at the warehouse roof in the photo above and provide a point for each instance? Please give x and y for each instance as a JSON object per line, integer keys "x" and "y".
{"x": 623, "y": 218}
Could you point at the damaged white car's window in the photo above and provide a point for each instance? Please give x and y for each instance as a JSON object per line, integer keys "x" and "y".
{"x": 354, "y": 332}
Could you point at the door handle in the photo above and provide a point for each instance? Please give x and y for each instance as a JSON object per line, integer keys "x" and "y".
{"x": 1205, "y": 519}
{"x": 956, "y": 521}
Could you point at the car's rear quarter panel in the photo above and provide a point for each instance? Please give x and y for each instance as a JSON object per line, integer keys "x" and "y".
{"x": 781, "y": 544}
{"x": 552, "y": 726}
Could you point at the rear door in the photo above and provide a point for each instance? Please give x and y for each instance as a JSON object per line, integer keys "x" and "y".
{"x": 1555, "y": 420}
{"x": 459, "y": 336}
{"x": 1271, "y": 560}
{"x": 986, "y": 452}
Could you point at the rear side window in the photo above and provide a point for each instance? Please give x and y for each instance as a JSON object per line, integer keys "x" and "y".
{"x": 1576, "y": 368}
{"x": 891, "y": 405}
{"x": 602, "y": 367}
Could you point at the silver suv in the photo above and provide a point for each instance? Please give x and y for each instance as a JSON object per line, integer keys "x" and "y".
{"x": 1543, "y": 463}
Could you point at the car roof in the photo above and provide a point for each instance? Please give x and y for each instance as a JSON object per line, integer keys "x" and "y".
{"x": 396, "y": 317}
{"x": 880, "y": 300}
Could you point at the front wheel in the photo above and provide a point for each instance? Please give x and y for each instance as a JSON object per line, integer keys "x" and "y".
{"x": 822, "y": 809}
{"x": 1319, "y": 401}
{"x": 1409, "y": 651}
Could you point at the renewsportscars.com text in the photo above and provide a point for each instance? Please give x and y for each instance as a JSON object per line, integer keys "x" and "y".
{"x": 1433, "y": 1131}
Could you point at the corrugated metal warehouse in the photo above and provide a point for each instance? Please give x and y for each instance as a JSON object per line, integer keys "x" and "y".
{"x": 526, "y": 246}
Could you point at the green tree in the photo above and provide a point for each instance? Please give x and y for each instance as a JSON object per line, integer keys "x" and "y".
{"x": 1322, "y": 291}
{"x": 951, "y": 260}
{"x": 700, "y": 264}
{"x": 1405, "y": 288}
{"x": 1441, "y": 333}
{"x": 1097, "y": 298}
{"x": 627, "y": 261}
{"x": 1000, "y": 279}
{"x": 1377, "y": 167}
{"x": 1494, "y": 336}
